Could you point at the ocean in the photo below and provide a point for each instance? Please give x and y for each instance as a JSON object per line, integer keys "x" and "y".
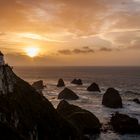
{"x": 124, "y": 79}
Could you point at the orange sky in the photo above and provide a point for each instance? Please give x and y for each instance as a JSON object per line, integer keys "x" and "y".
{"x": 70, "y": 32}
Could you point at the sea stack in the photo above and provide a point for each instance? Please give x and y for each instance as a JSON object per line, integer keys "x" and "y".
{"x": 124, "y": 124}
{"x": 94, "y": 87}
{"x": 112, "y": 98}
{"x": 77, "y": 82}
{"x": 86, "y": 122}
{"x": 136, "y": 100}
{"x": 38, "y": 85}
{"x": 60, "y": 83}
{"x": 67, "y": 94}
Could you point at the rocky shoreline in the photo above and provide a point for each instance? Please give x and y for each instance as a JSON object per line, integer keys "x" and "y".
{"x": 25, "y": 114}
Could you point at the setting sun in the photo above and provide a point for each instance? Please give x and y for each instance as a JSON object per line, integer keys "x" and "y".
{"x": 32, "y": 51}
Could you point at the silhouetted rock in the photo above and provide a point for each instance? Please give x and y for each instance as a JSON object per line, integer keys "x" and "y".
{"x": 29, "y": 113}
{"x": 136, "y": 101}
{"x": 38, "y": 85}
{"x": 67, "y": 94}
{"x": 86, "y": 137}
{"x": 8, "y": 133}
{"x": 112, "y": 98}
{"x": 77, "y": 82}
{"x": 85, "y": 121}
{"x": 94, "y": 87}
{"x": 60, "y": 83}
{"x": 124, "y": 124}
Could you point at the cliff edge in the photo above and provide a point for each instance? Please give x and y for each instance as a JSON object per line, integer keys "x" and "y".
{"x": 26, "y": 114}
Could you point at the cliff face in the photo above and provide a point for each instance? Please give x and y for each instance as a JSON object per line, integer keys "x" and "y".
{"x": 7, "y": 80}
{"x": 28, "y": 114}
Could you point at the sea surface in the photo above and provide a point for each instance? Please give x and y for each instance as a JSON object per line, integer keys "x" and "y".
{"x": 124, "y": 79}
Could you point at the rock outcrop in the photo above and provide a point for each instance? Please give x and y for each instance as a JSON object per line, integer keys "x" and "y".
{"x": 94, "y": 87}
{"x": 7, "y": 80}
{"x": 60, "y": 83}
{"x": 112, "y": 98}
{"x": 124, "y": 124}
{"x": 86, "y": 122}
{"x": 29, "y": 114}
{"x": 8, "y": 133}
{"x": 77, "y": 82}
{"x": 38, "y": 85}
{"x": 68, "y": 94}
{"x": 136, "y": 100}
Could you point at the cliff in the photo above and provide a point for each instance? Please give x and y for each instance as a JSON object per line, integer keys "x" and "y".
{"x": 26, "y": 114}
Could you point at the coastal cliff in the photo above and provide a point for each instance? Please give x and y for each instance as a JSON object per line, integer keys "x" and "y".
{"x": 26, "y": 114}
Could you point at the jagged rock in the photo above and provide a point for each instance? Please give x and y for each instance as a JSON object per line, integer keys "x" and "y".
{"x": 112, "y": 98}
{"x": 124, "y": 124}
{"x": 8, "y": 133}
{"x": 77, "y": 82}
{"x": 136, "y": 101}
{"x": 85, "y": 121}
{"x": 31, "y": 114}
{"x": 38, "y": 85}
{"x": 67, "y": 94}
{"x": 94, "y": 87}
{"x": 60, "y": 83}
{"x": 7, "y": 80}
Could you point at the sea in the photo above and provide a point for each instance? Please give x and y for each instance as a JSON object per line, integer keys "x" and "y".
{"x": 125, "y": 79}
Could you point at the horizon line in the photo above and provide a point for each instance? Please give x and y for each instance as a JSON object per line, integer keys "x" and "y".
{"x": 75, "y": 66}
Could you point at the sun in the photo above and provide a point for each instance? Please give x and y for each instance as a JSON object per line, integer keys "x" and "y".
{"x": 32, "y": 51}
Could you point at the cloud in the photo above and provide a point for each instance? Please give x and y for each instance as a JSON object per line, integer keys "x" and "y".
{"x": 105, "y": 49}
{"x": 58, "y": 15}
{"x": 83, "y": 50}
{"x": 104, "y": 25}
{"x": 2, "y": 34}
{"x": 123, "y": 39}
{"x": 65, "y": 52}
{"x": 51, "y": 15}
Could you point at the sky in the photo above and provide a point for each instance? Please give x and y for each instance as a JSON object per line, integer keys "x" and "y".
{"x": 71, "y": 32}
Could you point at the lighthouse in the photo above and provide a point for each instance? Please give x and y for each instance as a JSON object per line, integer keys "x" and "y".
{"x": 1, "y": 59}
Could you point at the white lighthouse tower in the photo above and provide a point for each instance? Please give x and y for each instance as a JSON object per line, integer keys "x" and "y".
{"x": 1, "y": 59}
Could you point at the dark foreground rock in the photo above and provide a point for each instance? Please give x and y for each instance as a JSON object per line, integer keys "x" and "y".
{"x": 60, "y": 83}
{"x": 67, "y": 94}
{"x": 136, "y": 100}
{"x": 38, "y": 85}
{"x": 8, "y": 133}
{"x": 124, "y": 124}
{"x": 94, "y": 87}
{"x": 85, "y": 121}
{"x": 24, "y": 113}
{"x": 112, "y": 98}
{"x": 77, "y": 82}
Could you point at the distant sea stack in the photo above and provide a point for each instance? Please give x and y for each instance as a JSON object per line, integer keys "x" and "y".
{"x": 38, "y": 85}
{"x": 67, "y": 94}
{"x": 26, "y": 114}
{"x": 94, "y": 87}
{"x": 60, "y": 83}
{"x": 136, "y": 100}
{"x": 77, "y": 82}
{"x": 112, "y": 98}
